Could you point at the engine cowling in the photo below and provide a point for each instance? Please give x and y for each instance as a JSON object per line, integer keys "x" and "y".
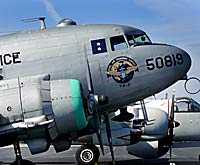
{"x": 67, "y": 106}
{"x": 67, "y": 110}
{"x": 148, "y": 149}
{"x": 35, "y": 108}
{"x": 153, "y": 142}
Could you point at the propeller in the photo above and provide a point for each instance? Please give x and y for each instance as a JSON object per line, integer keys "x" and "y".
{"x": 94, "y": 102}
{"x": 172, "y": 124}
{"x": 93, "y": 107}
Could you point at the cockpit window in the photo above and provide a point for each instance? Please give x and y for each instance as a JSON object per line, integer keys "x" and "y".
{"x": 195, "y": 106}
{"x": 182, "y": 106}
{"x": 189, "y": 106}
{"x": 118, "y": 43}
{"x": 138, "y": 39}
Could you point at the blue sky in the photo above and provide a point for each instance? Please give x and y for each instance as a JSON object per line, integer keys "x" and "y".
{"x": 174, "y": 22}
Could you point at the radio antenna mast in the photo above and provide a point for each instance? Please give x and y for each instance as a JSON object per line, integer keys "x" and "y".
{"x": 41, "y": 19}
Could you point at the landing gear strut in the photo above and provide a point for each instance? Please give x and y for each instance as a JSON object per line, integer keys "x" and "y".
{"x": 87, "y": 154}
{"x": 19, "y": 160}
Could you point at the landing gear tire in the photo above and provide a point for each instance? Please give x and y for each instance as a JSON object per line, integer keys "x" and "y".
{"x": 87, "y": 154}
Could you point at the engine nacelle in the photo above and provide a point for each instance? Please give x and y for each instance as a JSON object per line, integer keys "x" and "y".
{"x": 148, "y": 149}
{"x": 45, "y": 108}
{"x": 154, "y": 133}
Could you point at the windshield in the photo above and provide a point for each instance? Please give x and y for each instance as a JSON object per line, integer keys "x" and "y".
{"x": 138, "y": 39}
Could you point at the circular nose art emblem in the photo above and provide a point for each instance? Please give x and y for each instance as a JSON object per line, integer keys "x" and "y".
{"x": 122, "y": 69}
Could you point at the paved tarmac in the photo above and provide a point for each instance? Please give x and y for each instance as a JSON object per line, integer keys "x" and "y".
{"x": 180, "y": 156}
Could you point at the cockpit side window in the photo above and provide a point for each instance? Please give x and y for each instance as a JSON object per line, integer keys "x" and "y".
{"x": 182, "y": 106}
{"x": 134, "y": 39}
{"x": 118, "y": 43}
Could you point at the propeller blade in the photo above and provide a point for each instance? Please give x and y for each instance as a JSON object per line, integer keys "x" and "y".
{"x": 171, "y": 124}
{"x": 172, "y": 107}
{"x": 89, "y": 79}
{"x": 93, "y": 103}
{"x": 109, "y": 136}
{"x": 144, "y": 111}
{"x": 88, "y": 73}
{"x": 171, "y": 132}
{"x": 98, "y": 129}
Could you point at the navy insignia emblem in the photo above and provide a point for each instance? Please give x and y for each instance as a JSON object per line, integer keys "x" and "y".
{"x": 122, "y": 69}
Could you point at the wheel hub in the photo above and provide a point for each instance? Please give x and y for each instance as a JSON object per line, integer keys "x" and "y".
{"x": 86, "y": 155}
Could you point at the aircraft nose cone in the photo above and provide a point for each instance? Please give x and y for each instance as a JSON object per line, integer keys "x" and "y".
{"x": 188, "y": 60}
{"x": 183, "y": 57}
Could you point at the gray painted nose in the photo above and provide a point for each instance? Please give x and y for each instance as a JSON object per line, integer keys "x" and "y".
{"x": 187, "y": 62}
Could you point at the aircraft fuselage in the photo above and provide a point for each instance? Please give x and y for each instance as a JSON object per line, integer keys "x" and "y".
{"x": 123, "y": 72}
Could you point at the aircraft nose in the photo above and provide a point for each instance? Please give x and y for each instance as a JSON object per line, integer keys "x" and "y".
{"x": 183, "y": 59}
{"x": 188, "y": 60}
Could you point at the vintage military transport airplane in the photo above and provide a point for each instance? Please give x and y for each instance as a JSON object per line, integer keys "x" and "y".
{"x": 57, "y": 82}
